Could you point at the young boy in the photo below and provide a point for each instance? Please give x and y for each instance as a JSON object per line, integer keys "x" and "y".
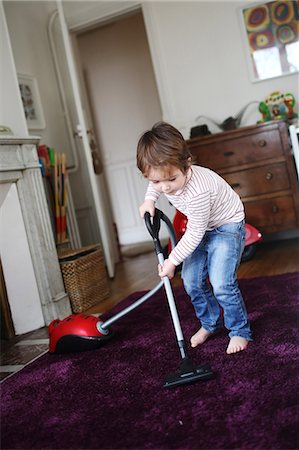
{"x": 214, "y": 240}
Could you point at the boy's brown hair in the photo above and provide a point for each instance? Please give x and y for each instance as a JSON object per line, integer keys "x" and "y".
{"x": 163, "y": 145}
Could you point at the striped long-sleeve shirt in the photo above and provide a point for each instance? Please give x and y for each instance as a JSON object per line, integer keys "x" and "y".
{"x": 208, "y": 201}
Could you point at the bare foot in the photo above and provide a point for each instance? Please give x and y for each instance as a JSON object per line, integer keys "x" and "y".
{"x": 200, "y": 337}
{"x": 236, "y": 344}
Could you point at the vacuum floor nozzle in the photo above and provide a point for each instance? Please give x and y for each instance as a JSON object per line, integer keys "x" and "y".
{"x": 188, "y": 374}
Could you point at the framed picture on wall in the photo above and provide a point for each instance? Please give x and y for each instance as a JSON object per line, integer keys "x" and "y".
{"x": 31, "y": 102}
{"x": 271, "y": 32}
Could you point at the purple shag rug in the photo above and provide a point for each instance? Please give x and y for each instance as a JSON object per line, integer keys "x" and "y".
{"x": 112, "y": 397}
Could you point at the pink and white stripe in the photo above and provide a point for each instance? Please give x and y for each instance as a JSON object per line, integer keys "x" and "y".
{"x": 208, "y": 201}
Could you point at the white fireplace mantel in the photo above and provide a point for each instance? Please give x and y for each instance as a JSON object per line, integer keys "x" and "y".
{"x": 29, "y": 259}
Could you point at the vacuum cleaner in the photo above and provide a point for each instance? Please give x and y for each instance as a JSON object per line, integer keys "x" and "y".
{"x": 80, "y": 332}
{"x": 188, "y": 372}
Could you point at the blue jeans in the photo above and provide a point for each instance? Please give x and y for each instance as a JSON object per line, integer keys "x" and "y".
{"x": 210, "y": 279}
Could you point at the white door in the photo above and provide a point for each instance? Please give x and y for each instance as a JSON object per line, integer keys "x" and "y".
{"x": 83, "y": 129}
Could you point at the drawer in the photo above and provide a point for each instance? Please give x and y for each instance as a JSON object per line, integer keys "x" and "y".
{"x": 233, "y": 151}
{"x": 271, "y": 215}
{"x": 259, "y": 180}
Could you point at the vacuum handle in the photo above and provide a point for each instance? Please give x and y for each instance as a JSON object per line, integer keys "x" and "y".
{"x": 172, "y": 307}
{"x": 153, "y": 225}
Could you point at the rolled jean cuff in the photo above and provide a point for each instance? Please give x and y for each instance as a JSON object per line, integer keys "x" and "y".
{"x": 247, "y": 336}
{"x": 213, "y": 330}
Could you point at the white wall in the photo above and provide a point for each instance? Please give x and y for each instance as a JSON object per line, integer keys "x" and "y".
{"x": 11, "y": 109}
{"x": 199, "y": 57}
{"x": 199, "y": 52}
{"x": 27, "y": 25}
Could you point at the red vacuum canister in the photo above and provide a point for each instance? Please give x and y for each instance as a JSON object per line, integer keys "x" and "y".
{"x": 76, "y": 333}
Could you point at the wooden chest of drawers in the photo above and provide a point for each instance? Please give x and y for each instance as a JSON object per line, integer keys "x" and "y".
{"x": 257, "y": 162}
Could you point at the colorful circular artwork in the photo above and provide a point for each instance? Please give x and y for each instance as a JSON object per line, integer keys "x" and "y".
{"x": 257, "y": 18}
{"x": 282, "y": 12}
{"x": 286, "y": 34}
{"x": 274, "y": 28}
{"x": 261, "y": 40}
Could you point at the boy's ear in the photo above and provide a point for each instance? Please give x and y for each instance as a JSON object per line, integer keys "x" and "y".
{"x": 187, "y": 165}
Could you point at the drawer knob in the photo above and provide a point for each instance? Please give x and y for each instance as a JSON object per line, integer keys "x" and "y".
{"x": 269, "y": 176}
{"x": 275, "y": 209}
{"x": 235, "y": 185}
{"x": 262, "y": 143}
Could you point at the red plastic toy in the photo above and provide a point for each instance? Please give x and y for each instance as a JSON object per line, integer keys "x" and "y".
{"x": 253, "y": 236}
{"x": 77, "y": 331}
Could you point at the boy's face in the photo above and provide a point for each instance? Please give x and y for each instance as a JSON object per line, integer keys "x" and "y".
{"x": 168, "y": 179}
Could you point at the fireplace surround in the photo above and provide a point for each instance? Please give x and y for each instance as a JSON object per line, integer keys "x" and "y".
{"x": 32, "y": 275}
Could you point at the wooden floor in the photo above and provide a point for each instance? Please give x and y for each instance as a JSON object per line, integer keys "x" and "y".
{"x": 140, "y": 273}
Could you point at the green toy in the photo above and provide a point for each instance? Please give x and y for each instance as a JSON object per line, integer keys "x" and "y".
{"x": 264, "y": 110}
{"x": 277, "y": 106}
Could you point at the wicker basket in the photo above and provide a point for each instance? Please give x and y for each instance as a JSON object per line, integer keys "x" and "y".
{"x": 84, "y": 275}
